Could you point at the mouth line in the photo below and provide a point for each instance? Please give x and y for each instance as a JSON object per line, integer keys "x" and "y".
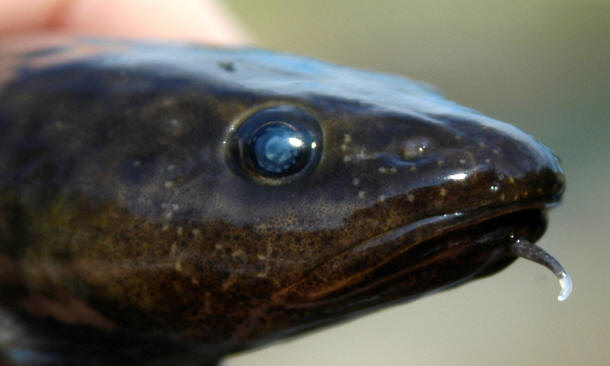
{"x": 449, "y": 222}
{"x": 376, "y": 262}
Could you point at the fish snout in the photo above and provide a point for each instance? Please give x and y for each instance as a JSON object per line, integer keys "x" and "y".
{"x": 524, "y": 167}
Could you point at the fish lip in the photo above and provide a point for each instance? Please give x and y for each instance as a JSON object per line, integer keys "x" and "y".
{"x": 295, "y": 296}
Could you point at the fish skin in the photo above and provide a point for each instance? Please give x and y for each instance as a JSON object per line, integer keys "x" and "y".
{"x": 130, "y": 235}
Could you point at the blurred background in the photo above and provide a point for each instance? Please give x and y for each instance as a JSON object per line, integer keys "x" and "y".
{"x": 543, "y": 65}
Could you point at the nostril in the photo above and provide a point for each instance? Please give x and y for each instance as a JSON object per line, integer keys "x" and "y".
{"x": 416, "y": 147}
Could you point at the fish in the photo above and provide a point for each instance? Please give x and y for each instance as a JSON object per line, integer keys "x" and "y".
{"x": 167, "y": 203}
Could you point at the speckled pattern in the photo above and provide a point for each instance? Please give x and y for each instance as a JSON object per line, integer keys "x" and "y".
{"x": 122, "y": 217}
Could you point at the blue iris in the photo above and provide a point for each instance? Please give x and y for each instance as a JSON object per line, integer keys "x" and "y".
{"x": 279, "y": 149}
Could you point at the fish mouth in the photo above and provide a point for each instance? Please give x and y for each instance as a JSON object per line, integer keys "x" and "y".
{"x": 416, "y": 259}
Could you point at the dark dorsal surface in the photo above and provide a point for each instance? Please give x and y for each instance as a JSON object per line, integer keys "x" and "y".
{"x": 167, "y": 202}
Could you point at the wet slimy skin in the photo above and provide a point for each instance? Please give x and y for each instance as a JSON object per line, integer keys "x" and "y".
{"x": 174, "y": 203}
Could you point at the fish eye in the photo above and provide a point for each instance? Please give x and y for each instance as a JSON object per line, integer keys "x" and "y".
{"x": 276, "y": 145}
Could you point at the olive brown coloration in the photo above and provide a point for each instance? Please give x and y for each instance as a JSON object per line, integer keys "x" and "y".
{"x": 174, "y": 203}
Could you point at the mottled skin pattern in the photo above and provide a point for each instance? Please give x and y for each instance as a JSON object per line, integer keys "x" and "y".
{"x": 127, "y": 238}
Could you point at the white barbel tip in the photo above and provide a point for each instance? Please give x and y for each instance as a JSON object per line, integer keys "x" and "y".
{"x": 565, "y": 281}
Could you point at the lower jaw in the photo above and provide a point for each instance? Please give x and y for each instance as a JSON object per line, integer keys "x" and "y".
{"x": 455, "y": 257}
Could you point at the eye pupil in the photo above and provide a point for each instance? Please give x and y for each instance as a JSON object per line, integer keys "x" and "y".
{"x": 278, "y": 148}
